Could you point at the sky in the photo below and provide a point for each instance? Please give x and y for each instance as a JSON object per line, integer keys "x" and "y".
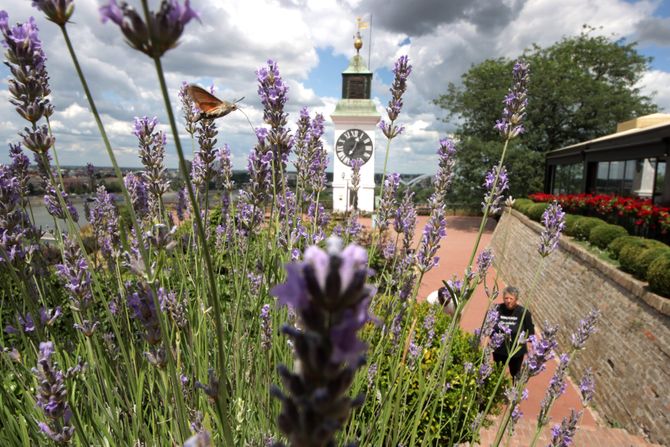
{"x": 312, "y": 41}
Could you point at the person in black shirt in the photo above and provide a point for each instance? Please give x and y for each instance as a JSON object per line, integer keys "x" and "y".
{"x": 510, "y": 314}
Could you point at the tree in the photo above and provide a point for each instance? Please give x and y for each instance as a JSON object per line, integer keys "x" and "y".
{"x": 579, "y": 89}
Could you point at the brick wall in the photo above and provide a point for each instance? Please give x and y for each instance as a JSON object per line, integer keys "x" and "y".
{"x": 630, "y": 353}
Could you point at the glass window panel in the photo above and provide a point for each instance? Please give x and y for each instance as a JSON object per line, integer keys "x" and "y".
{"x": 602, "y": 176}
{"x": 660, "y": 177}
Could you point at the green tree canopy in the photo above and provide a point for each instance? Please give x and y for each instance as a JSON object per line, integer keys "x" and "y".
{"x": 579, "y": 89}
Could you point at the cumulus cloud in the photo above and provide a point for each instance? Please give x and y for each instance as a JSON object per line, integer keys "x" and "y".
{"x": 442, "y": 39}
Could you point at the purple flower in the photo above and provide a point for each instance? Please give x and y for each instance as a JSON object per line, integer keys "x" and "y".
{"x": 53, "y": 204}
{"x": 556, "y": 387}
{"x": 401, "y": 72}
{"x": 74, "y": 272}
{"x": 189, "y": 109}
{"x": 587, "y": 387}
{"x": 587, "y": 327}
{"x": 485, "y": 370}
{"x": 57, "y": 11}
{"x": 87, "y": 327}
{"x": 137, "y": 189}
{"x": 152, "y": 153}
{"x": 182, "y": 204}
{"x": 496, "y": 183}
{"x": 166, "y": 25}
{"x": 511, "y": 123}
{"x": 433, "y": 232}
{"x": 173, "y": 307}
{"x": 330, "y": 297}
{"x": 553, "y": 219}
{"x": 29, "y": 84}
{"x": 484, "y": 261}
{"x": 38, "y": 140}
{"x": 104, "y": 219}
{"x": 141, "y": 302}
{"x": 446, "y": 154}
{"x": 274, "y": 94}
{"x": 225, "y": 168}
{"x": 388, "y": 202}
{"x": 405, "y": 219}
{"x": 563, "y": 435}
{"x": 19, "y": 167}
{"x": 52, "y": 396}
{"x": 541, "y": 349}
{"x": 266, "y": 327}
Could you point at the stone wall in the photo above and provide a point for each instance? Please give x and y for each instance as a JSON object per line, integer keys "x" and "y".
{"x": 630, "y": 353}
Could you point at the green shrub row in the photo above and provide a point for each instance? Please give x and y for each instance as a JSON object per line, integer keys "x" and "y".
{"x": 646, "y": 259}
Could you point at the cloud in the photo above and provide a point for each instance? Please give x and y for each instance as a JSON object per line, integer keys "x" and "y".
{"x": 656, "y": 83}
{"x": 442, "y": 39}
{"x": 654, "y": 29}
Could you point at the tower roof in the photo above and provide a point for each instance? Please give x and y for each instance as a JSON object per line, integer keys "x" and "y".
{"x": 357, "y": 66}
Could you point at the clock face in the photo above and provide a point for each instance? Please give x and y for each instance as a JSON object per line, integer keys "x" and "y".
{"x": 353, "y": 143}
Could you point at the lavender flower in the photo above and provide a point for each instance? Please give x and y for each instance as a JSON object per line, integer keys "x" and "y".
{"x": 207, "y": 133}
{"x": 563, "y": 435}
{"x": 152, "y": 153}
{"x": 542, "y": 349}
{"x": 587, "y": 327}
{"x": 181, "y": 204}
{"x": 511, "y": 123}
{"x": 266, "y": 327}
{"x": 329, "y": 294}
{"x": 485, "y": 370}
{"x": 18, "y": 237}
{"x": 388, "y": 202}
{"x": 225, "y": 168}
{"x": 273, "y": 93}
{"x": 484, "y": 262}
{"x": 52, "y": 396}
{"x": 19, "y": 167}
{"x": 87, "y": 327}
{"x": 75, "y": 273}
{"x": 57, "y": 11}
{"x": 301, "y": 142}
{"x": 318, "y": 157}
{"x": 141, "y": 301}
{"x": 53, "y": 204}
{"x": 104, "y": 219}
{"x": 405, "y": 219}
{"x": 496, "y": 183}
{"x": 137, "y": 189}
{"x": 166, "y": 25}
{"x": 433, "y": 232}
{"x": 189, "y": 109}
{"x": 29, "y": 84}
{"x": 429, "y": 326}
{"x": 38, "y": 140}
{"x": 556, "y": 387}
{"x": 587, "y": 387}
{"x": 401, "y": 72}
{"x": 446, "y": 154}
{"x": 173, "y": 307}
{"x": 553, "y": 219}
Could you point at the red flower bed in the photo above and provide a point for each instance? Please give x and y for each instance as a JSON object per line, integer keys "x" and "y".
{"x": 639, "y": 216}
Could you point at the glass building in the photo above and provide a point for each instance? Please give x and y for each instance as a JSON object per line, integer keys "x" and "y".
{"x": 631, "y": 162}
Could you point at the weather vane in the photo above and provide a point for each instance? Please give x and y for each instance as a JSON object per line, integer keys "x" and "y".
{"x": 358, "y": 40}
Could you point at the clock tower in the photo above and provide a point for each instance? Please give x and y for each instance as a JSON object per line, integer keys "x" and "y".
{"x": 355, "y": 118}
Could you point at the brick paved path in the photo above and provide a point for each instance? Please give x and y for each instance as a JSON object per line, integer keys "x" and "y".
{"x": 454, "y": 255}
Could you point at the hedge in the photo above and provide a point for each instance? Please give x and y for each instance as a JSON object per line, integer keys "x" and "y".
{"x": 630, "y": 252}
{"x": 614, "y": 248}
{"x": 521, "y": 205}
{"x": 583, "y": 226}
{"x": 644, "y": 259}
{"x": 570, "y": 220}
{"x": 535, "y": 211}
{"x": 602, "y": 235}
{"x": 658, "y": 275}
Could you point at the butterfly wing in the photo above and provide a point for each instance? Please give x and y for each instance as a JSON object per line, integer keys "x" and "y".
{"x": 205, "y": 101}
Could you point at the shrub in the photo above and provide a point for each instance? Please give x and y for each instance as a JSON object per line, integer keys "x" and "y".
{"x": 615, "y": 247}
{"x": 570, "y": 220}
{"x": 602, "y": 235}
{"x": 629, "y": 253}
{"x": 644, "y": 259}
{"x": 522, "y": 204}
{"x": 413, "y": 374}
{"x": 535, "y": 211}
{"x": 658, "y": 275}
{"x": 583, "y": 226}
